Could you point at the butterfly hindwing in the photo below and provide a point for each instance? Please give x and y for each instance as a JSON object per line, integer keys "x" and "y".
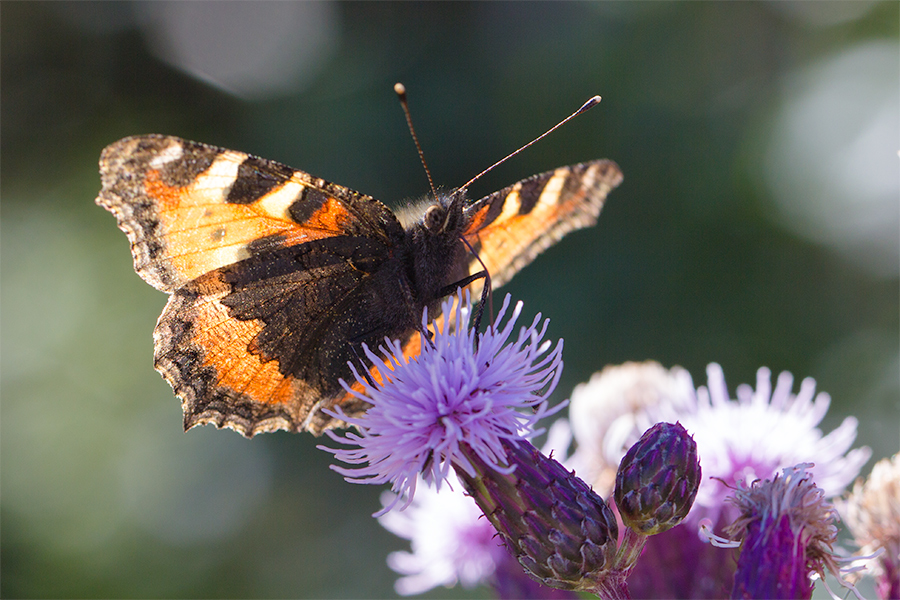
{"x": 260, "y": 353}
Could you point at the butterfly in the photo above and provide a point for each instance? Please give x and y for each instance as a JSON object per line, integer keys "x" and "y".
{"x": 277, "y": 278}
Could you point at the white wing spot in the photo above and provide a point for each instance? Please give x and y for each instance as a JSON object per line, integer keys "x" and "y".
{"x": 278, "y": 202}
{"x": 171, "y": 153}
{"x": 511, "y": 204}
{"x": 551, "y": 191}
{"x": 216, "y": 181}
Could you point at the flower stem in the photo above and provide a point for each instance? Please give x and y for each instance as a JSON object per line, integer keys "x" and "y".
{"x": 629, "y": 551}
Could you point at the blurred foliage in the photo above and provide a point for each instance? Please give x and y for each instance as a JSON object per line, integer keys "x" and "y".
{"x": 102, "y": 495}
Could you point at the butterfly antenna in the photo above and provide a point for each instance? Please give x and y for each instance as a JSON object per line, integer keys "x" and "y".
{"x": 400, "y": 90}
{"x": 584, "y": 108}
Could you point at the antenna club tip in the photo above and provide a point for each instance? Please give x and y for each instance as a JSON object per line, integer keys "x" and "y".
{"x": 589, "y": 104}
{"x": 399, "y": 89}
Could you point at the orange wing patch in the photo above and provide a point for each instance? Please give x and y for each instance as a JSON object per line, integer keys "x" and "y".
{"x": 210, "y": 360}
{"x": 203, "y": 353}
{"x": 203, "y": 233}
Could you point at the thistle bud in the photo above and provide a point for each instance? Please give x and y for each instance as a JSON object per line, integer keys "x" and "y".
{"x": 658, "y": 479}
{"x": 558, "y": 529}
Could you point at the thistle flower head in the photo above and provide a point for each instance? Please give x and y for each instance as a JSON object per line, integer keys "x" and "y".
{"x": 787, "y": 530}
{"x": 454, "y": 395}
{"x": 778, "y": 429}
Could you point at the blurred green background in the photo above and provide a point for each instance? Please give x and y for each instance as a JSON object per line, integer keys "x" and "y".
{"x": 757, "y": 225}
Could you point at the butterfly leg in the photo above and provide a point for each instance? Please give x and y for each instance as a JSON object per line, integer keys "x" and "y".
{"x": 362, "y": 363}
{"x": 486, "y": 296}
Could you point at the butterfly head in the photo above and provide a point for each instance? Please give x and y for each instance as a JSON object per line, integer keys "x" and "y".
{"x": 446, "y": 215}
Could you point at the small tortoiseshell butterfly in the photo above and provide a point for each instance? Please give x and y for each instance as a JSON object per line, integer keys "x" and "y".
{"x": 277, "y": 277}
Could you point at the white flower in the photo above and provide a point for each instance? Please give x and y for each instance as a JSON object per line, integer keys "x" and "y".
{"x": 872, "y": 512}
{"x": 603, "y": 412}
{"x": 750, "y": 438}
{"x": 450, "y": 540}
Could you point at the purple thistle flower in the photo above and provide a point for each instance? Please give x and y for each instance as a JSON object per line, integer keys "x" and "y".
{"x": 451, "y": 400}
{"x": 460, "y": 405}
{"x": 787, "y": 531}
{"x": 750, "y": 438}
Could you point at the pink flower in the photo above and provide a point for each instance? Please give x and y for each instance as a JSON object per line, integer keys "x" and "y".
{"x": 451, "y": 400}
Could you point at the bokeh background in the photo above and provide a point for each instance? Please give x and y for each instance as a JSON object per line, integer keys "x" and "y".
{"x": 757, "y": 225}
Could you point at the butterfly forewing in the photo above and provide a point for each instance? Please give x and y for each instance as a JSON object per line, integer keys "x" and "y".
{"x": 190, "y": 208}
{"x": 510, "y": 228}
